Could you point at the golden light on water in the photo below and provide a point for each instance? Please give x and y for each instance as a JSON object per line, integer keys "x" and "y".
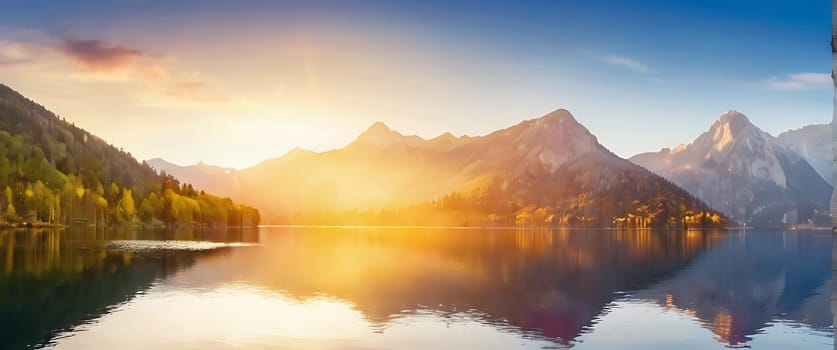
{"x": 413, "y": 288}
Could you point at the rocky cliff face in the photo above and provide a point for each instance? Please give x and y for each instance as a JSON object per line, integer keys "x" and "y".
{"x": 744, "y": 172}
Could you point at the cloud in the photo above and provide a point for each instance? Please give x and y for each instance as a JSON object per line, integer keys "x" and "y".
{"x": 619, "y": 61}
{"x": 799, "y": 81}
{"x": 14, "y": 53}
{"x": 98, "y": 57}
{"x": 24, "y": 47}
{"x": 100, "y": 61}
{"x": 154, "y": 79}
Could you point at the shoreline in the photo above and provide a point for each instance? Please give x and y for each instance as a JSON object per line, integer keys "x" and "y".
{"x": 669, "y": 228}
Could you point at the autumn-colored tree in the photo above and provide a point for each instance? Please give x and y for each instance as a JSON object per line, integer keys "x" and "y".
{"x": 126, "y": 207}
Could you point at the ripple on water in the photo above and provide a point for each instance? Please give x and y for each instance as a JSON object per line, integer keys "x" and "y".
{"x": 152, "y": 245}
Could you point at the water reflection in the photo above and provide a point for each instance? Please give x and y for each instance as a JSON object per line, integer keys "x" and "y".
{"x": 416, "y": 288}
{"x": 549, "y": 283}
{"x": 739, "y": 287}
{"x": 53, "y": 280}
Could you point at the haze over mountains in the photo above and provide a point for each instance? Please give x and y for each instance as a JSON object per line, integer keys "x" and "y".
{"x": 201, "y": 175}
{"x": 753, "y": 177}
{"x": 545, "y": 170}
{"x": 812, "y": 142}
{"x": 735, "y": 167}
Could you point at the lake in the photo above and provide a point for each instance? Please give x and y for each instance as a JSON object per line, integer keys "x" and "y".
{"x": 415, "y": 288}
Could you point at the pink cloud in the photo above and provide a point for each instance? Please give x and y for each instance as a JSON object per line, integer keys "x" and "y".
{"x": 97, "y": 56}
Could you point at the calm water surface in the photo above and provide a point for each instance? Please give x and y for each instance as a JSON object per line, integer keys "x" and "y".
{"x": 408, "y": 288}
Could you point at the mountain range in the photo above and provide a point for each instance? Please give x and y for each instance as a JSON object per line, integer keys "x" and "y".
{"x": 548, "y": 170}
{"x": 735, "y": 167}
{"x": 201, "y": 175}
{"x": 753, "y": 177}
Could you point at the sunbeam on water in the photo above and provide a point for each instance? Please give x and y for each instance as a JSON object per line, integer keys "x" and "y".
{"x": 416, "y": 288}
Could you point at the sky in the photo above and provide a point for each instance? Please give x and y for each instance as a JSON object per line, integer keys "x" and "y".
{"x": 233, "y": 82}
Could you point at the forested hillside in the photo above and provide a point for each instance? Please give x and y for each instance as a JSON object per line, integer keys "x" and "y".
{"x": 52, "y": 171}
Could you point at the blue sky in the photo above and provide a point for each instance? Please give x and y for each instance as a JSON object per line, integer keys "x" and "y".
{"x": 258, "y": 78}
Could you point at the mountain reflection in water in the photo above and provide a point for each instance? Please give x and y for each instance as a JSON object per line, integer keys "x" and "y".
{"x": 555, "y": 288}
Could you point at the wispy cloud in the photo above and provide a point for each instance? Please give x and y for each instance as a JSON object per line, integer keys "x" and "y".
{"x": 14, "y": 53}
{"x": 103, "y": 61}
{"x": 98, "y": 56}
{"x": 155, "y": 79}
{"x": 23, "y": 47}
{"x": 619, "y": 61}
{"x": 626, "y": 62}
{"x": 799, "y": 81}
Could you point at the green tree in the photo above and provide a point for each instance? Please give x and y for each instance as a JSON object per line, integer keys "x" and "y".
{"x": 33, "y": 165}
{"x": 42, "y": 199}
